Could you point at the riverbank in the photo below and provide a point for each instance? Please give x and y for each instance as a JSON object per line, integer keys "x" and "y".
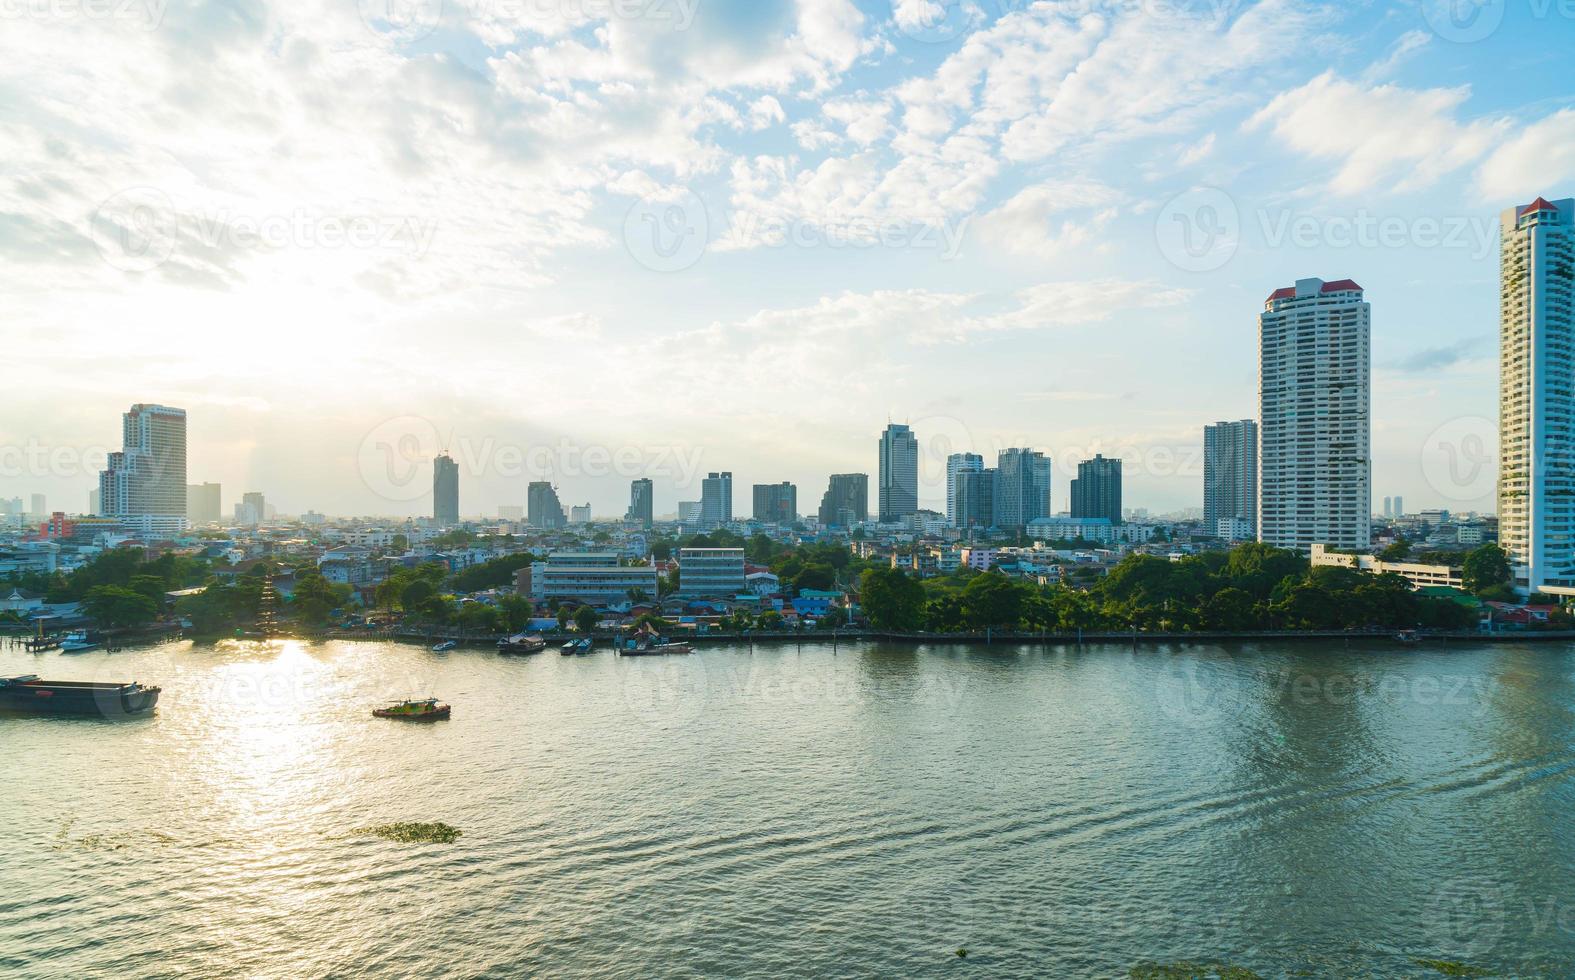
{"x": 989, "y": 638}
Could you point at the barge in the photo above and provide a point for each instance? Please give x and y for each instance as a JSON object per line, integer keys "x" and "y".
{"x": 90, "y": 698}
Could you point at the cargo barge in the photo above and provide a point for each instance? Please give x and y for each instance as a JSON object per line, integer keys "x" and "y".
{"x": 90, "y": 698}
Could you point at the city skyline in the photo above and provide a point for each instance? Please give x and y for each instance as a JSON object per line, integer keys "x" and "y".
{"x": 1377, "y": 143}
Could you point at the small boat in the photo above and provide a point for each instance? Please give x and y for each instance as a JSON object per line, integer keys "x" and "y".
{"x": 426, "y": 709}
{"x": 521, "y": 644}
{"x": 649, "y": 643}
{"x": 1408, "y": 637}
{"x": 108, "y": 700}
{"x": 445, "y": 646}
{"x": 77, "y": 641}
{"x": 578, "y": 647}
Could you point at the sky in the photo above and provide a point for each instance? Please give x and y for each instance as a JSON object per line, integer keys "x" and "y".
{"x": 592, "y": 240}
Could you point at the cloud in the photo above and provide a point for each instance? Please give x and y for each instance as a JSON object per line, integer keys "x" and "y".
{"x": 1035, "y": 221}
{"x": 1533, "y": 160}
{"x": 1380, "y": 135}
{"x": 1437, "y": 358}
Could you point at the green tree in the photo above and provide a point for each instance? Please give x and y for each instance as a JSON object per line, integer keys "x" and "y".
{"x": 564, "y": 615}
{"x": 835, "y": 618}
{"x": 1485, "y": 567}
{"x": 515, "y": 612}
{"x": 992, "y": 600}
{"x": 416, "y": 594}
{"x": 1401, "y": 549}
{"x": 585, "y": 619}
{"x": 479, "y": 617}
{"x": 891, "y": 599}
{"x": 1229, "y": 609}
{"x": 315, "y": 597}
{"x": 115, "y": 606}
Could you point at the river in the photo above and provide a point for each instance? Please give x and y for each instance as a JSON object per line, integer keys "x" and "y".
{"x": 798, "y": 811}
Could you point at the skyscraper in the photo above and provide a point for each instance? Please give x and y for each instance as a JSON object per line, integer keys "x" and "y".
{"x": 1096, "y": 490}
{"x": 846, "y": 501}
{"x": 958, "y": 463}
{"x": 1314, "y": 376}
{"x": 1399, "y": 506}
{"x": 445, "y": 490}
{"x": 776, "y": 503}
{"x": 716, "y": 499}
{"x": 1022, "y": 487}
{"x": 642, "y": 502}
{"x": 1230, "y": 474}
{"x": 144, "y": 486}
{"x": 542, "y": 507}
{"x": 899, "y": 473}
{"x": 975, "y": 498}
{"x": 37, "y": 506}
{"x": 203, "y": 504}
{"x": 1536, "y": 394}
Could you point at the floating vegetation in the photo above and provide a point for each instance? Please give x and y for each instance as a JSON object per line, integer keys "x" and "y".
{"x": 1187, "y": 970}
{"x": 106, "y": 842}
{"x": 411, "y": 833}
{"x": 1449, "y": 968}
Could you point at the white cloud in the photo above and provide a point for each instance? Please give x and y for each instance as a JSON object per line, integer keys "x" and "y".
{"x": 1037, "y": 220}
{"x": 1534, "y": 159}
{"x": 1380, "y": 135}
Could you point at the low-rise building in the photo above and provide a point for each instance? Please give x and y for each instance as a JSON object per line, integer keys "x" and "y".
{"x": 1417, "y": 573}
{"x": 710, "y": 571}
{"x": 591, "y": 577}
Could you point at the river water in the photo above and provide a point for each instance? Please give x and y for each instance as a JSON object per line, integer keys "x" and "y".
{"x": 865, "y": 810}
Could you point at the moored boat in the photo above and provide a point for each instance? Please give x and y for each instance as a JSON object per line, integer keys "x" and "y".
{"x": 444, "y": 646}
{"x": 77, "y": 641}
{"x": 521, "y": 643}
{"x": 424, "y": 709}
{"x": 578, "y": 647}
{"x": 648, "y": 643}
{"x": 108, "y": 700}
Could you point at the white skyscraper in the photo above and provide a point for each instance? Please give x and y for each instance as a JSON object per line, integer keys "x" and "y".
{"x": 899, "y": 473}
{"x": 1536, "y": 409}
{"x": 958, "y": 463}
{"x": 1314, "y": 380}
{"x": 145, "y": 485}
